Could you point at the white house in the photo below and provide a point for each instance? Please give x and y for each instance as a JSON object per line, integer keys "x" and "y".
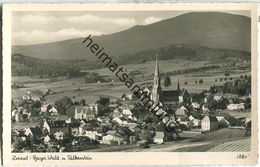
{"x": 191, "y": 118}
{"x": 59, "y": 135}
{"x": 112, "y": 138}
{"x": 240, "y": 106}
{"x": 204, "y": 108}
{"x": 53, "y": 111}
{"x": 217, "y": 97}
{"x": 46, "y": 139}
{"x": 44, "y": 108}
{"x": 117, "y": 120}
{"x": 159, "y": 137}
{"x": 92, "y": 134}
{"x": 219, "y": 118}
{"x": 129, "y": 96}
{"x": 195, "y": 122}
{"x": 127, "y": 112}
{"x": 180, "y": 112}
{"x": 195, "y": 105}
{"x": 146, "y": 89}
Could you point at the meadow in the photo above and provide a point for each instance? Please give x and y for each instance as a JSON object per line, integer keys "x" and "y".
{"x": 77, "y": 88}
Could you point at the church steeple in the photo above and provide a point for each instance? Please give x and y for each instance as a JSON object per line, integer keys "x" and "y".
{"x": 156, "y": 83}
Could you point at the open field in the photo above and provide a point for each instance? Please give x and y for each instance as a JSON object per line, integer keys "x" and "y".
{"x": 220, "y": 134}
{"x": 77, "y": 88}
{"x": 225, "y": 142}
{"x": 232, "y": 146}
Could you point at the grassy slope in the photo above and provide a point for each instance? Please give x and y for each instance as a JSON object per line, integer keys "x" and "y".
{"x": 92, "y": 91}
{"x": 220, "y": 134}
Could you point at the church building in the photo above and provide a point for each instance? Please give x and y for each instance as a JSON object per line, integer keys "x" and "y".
{"x": 167, "y": 96}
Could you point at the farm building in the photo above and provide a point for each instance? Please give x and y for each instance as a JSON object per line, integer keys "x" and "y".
{"x": 112, "y": 138}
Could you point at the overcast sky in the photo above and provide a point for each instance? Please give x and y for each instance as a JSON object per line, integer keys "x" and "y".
{"x": 42, "y": 27}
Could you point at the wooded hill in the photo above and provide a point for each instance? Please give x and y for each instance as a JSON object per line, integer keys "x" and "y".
{"x": 28, "y": 66}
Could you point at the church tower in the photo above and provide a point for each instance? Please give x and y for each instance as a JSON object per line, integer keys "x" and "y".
{"x": 156, "y": 84}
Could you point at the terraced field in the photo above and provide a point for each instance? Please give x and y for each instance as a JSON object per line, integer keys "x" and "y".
{"x": 233, "y": 146}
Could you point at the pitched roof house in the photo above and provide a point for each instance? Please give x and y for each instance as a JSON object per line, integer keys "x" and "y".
{"x": 33, "y": 131}
{"x": 74, "y": 128}
{"x": 184, "y": 97}
{"x": 127, "y": 112}
{"x": 53, "y": 111}
{"x": 56, "y": 126}
{"x": 112, "y": 138}
{"x": 180, "y": 112}
{"x": 46, "y": 139}
{"x": 159, "y": 137}
{"x": 209, "y": 123}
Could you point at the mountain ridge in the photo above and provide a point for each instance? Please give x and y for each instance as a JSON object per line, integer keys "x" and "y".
{"x": 209, "y": 29}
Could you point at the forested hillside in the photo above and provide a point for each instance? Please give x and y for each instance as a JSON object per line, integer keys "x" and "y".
{"x": 186, "y": 52}
{"x": 33, "y": 67}
{"x": 28, "y": 66}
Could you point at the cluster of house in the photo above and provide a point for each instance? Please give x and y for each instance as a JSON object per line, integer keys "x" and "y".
{"x": 104, "y": 129}
{"x": 84, "y": 124}
{"x": 207, "y": 121}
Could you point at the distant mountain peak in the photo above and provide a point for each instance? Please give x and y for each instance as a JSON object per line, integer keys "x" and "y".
{"x": 209, "y": 29}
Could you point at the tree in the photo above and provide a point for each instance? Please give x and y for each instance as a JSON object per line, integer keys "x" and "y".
{"x": 104, "y": 101}
{"x": 200, "y": 81}
{"x": 63, "y": 104}
{"x": 167, "y": 81}
{"x": 18, "y": 144}
{"x": 227, "y": 74}
{"x": 82, "y": 102}
{"x": 185, "y": 83}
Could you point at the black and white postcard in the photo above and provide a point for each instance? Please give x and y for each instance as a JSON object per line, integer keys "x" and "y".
{"x": 130, "y": 84}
